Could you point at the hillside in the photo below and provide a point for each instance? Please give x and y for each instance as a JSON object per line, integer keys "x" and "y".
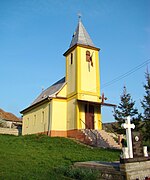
{"x": 109, "y": 126}
{"x": 42, "y": 157}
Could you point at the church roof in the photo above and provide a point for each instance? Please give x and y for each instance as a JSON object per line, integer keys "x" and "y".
{"x": 50, "y": 91}
{"x": 81, "y": 36}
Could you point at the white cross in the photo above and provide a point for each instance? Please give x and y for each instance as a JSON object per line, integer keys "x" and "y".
{"x": 128, "y": 126}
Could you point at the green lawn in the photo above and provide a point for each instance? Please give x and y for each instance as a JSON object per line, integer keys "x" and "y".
{"x": 42, "y": 157}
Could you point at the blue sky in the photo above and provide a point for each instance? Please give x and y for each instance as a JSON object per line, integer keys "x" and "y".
{"x": 34, "y": 34}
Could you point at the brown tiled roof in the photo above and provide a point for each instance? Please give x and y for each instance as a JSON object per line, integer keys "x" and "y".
{"x": 8, "y": 116}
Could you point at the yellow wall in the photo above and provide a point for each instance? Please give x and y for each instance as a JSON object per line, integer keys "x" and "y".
{"x": 81, "y": 116}
{"x": 88, "y": 97}
{"x": 42, "y": 120}
{"x": 63, "y": 92}
{"x": 71, "y": 73}
{"x": 36, "y": 120}
{"x": 71, "y": 114}
{"x": 88, "y": 77}
{"x": 97, "y": 118}
{"x": 59, "y": 114}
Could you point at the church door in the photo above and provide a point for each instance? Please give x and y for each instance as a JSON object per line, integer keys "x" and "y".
{"x": 89, "y": 116}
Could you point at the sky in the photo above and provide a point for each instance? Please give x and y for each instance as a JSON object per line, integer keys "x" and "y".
{"x": 34, "y": 34}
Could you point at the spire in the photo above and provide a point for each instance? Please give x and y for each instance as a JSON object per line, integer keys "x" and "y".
{"x": 81, "y": 36}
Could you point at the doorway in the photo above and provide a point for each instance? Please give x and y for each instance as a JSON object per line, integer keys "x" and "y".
{"x": 89, "y": 116}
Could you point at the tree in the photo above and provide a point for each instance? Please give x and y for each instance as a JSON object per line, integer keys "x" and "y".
{"x": 124, "y": 109}
{"x": 146, "y": 107}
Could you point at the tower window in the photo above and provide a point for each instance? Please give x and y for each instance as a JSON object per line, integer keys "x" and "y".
{"x": 71, "y": 60}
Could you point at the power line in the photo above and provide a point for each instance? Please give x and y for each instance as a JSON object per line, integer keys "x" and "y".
{"x": 126, "y": 74}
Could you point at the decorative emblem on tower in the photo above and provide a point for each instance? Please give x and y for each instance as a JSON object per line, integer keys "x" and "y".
{"x": 89, "y": 59}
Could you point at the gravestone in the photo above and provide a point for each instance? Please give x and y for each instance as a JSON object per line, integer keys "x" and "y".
{"x": 137, "y": 164}
{"x": 134, "y": 151}
{"x": 137, "y": 145}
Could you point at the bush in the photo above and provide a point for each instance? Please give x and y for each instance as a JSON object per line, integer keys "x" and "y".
{"x": 78, "y": 173}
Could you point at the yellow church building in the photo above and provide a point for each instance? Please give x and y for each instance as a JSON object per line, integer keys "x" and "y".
{"x": 73, "y": 103}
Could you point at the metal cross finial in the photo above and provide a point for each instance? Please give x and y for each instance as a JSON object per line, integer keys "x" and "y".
{"x": 79, "y": 16}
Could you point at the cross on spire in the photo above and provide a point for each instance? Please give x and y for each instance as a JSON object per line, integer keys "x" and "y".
{"x": 79, "y": 16}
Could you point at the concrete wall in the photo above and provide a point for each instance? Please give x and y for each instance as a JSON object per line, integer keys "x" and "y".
{"x": 136, "y": 170}
{"x": 9, "y": 131}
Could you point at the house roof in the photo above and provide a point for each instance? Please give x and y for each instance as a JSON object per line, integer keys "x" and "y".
{"x": 81, "y": 36}
{"x": 8, "y": 116}
{"x": 50, "y": 91}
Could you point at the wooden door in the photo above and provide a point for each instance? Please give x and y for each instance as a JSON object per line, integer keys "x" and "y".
{"x": 89, "y": 116}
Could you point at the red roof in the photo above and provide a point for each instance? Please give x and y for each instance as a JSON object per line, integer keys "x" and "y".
{"x": 8, "y": 116}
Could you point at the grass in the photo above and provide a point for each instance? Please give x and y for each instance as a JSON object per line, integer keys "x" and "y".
{"x": 42, "y": 157}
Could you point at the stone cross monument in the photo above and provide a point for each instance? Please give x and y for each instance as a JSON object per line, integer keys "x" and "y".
{"x": 128, "y": 126}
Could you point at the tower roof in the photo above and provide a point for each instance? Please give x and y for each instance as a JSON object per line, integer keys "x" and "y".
{"x": 81, "y": 36}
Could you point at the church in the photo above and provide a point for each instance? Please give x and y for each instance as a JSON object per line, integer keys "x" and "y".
{"x": 72, "y": 103}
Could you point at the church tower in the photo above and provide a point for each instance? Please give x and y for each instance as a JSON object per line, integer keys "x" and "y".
{"x": 83, "y": 82}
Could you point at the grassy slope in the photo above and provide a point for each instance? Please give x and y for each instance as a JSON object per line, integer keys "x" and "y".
{"x": 41, "y": 157}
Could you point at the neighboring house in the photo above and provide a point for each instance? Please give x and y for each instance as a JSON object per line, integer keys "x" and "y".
{"x": 9, "y": 120}
{"x": 72, "y": 103}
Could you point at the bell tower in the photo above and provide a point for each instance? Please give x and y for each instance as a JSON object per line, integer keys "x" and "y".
{"x": 83, "y": 81}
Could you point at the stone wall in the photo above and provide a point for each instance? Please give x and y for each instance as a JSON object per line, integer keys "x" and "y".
{"x": 107, "y": 170}
{"x": 10, "y": 131}
{"x": 115, "y": 171}
{"x": 136, "y": 170}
